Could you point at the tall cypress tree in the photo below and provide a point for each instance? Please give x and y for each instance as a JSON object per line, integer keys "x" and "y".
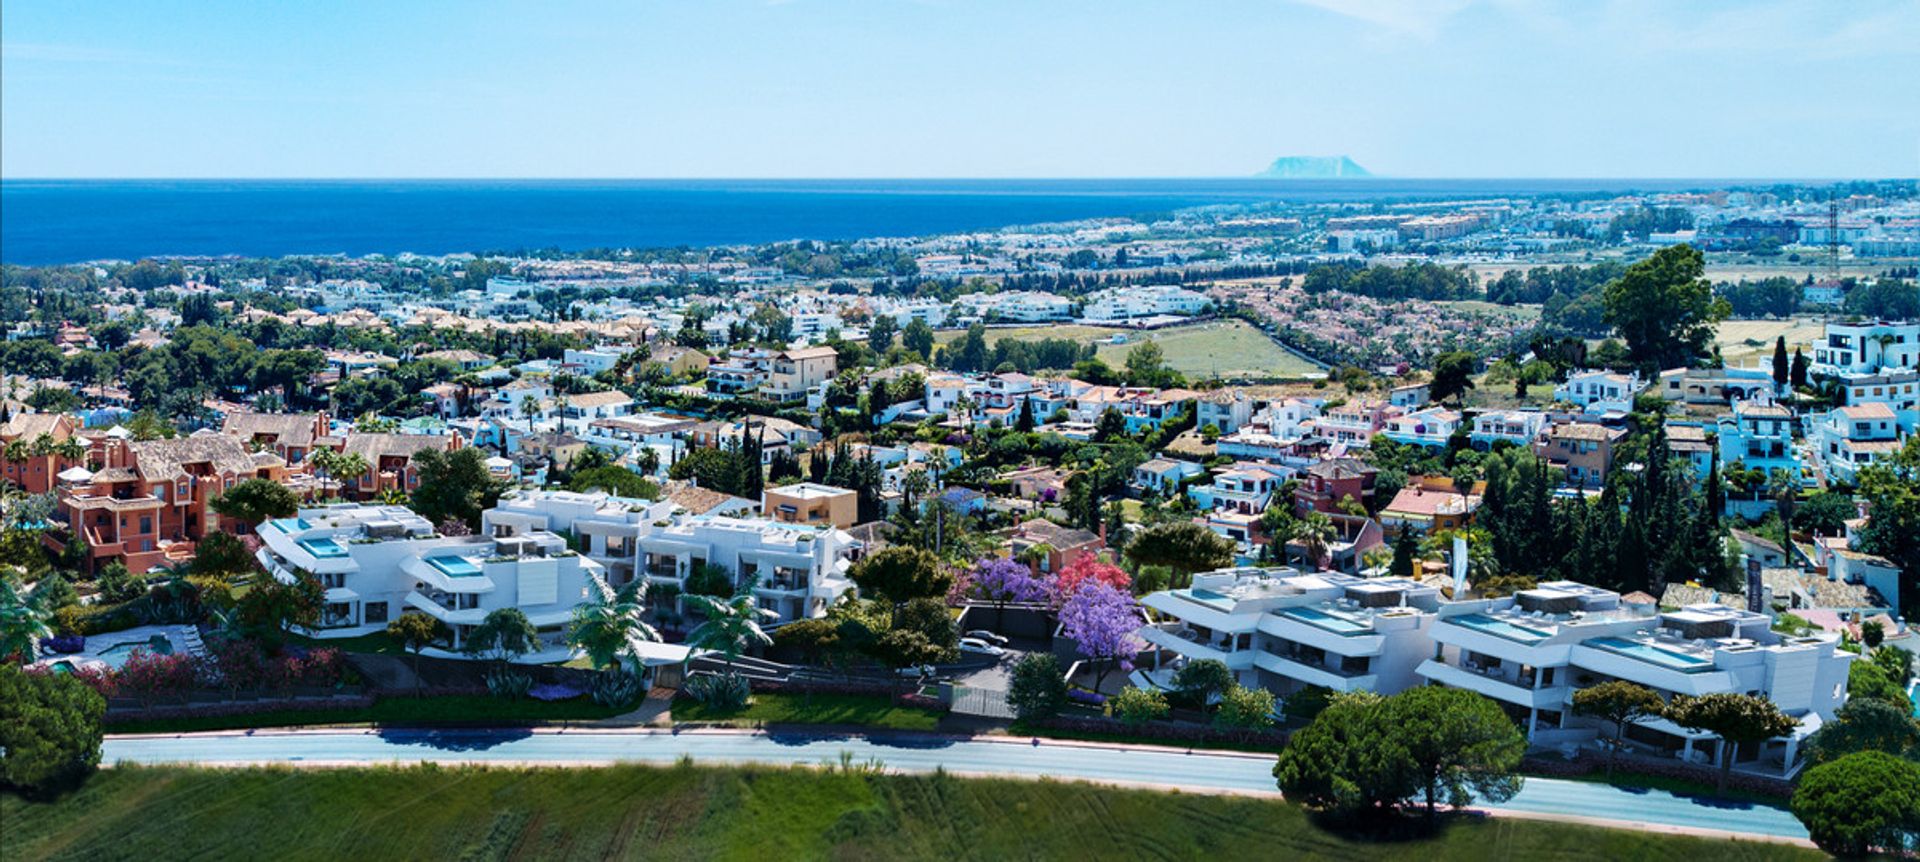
{"x": 1780, "y": 366}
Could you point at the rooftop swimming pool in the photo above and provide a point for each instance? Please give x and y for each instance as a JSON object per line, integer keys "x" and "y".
{"x": 1670, "y": 659}
{"x": 1210, "y": 598}
{"x": 1339, "y": 624}
{"x": 291, "y": 525}
{"x": 1500, "y": 628}
{"x": 323, "y": 547}
{"x": 454, "y": 567}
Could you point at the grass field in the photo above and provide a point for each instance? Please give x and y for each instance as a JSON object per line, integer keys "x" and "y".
{"x": 1229, "y": 348}
{"x": 632, "y": 812}
{"x": 1744, "y": 342}
{"x": 871, "y": 710}
{"x": 478, "y": 709}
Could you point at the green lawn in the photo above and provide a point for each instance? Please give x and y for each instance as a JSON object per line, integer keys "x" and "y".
{"x": 875, "y": 711}
{"x": 477, "y": 709}
{"x": 689, "y": 812}
{"x": 1229, "y": 348}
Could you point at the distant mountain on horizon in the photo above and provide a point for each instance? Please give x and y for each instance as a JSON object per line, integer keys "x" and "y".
{"x": 1314, "y": 168}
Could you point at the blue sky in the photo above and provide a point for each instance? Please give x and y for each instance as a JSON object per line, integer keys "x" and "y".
{"x": 808, "y": 88}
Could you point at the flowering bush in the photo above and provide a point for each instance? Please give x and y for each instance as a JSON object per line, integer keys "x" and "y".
{"x": 67, "y": 644}
{"x": 1090, "y": 698}
{"x": 1088, "y": 569}
{"x": 149, "y": 677}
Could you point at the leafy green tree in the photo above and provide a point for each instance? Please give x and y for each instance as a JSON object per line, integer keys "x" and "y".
{"x": 1244, "y": 709}
{"x": 454, "y": 485}
{"x": 1865, "y": 724}
{"x": 1183, "y": 546}
{"x": 1619, "y": 703}
{"x": 1038, "y": 689}
{"x": 1664, "y": 308}
{"x": 1452, "y": 375}
{"x": 1861, "y": 803}
{"x": 221, "y": 555}
{"x": 1201, "y": 681}
{"x": 1458, "y": 743}
{"x": 503, "y": 635}
{"x": 52, "y": 592}
{"x": 50, "y": 730}
{"x": 606, "y": 626}
{"x": 1345, "y": 762}
{"x": 255, "y": 500}
{"x": 880, "y": 332}
{"x": 415, "y": 632}
{"x": 23, "y": 623}
{"x": 1866, "y": 679}
{"x": 1137, "y": 706}
{"x": 273, "y": 606}
{"x": 918, "y": 337}
{"x": 1891, "y": 488}
{"x": 1405, "y": 551}
{"x": 899, "y": 574}
{"x": 1738, "y": 719}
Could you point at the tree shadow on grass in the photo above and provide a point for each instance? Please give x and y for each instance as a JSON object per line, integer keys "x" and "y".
{"x": 453, "y": 739}
{"x": 1390, "y": 827}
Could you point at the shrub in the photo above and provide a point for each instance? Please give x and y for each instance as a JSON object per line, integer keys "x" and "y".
{"x": 1307, "y": 703}
{"x": 1201, "y": 680}
{"x": 49, "y": 729}
{"x": 615, "y": 688}
{"x": 722, "y": 692}
{"x": 1089, "y": 698}
{"x": 67, "y": 644}
{"x": 1039, "y": 687}
{"x": 1136, "y": 705}
{"x": 508, "y": 684}
{"x": 1243, "y": 708}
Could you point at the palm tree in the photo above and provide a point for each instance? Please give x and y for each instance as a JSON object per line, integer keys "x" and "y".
{"x": 70, "y": 449}
{"x": 22, "y": 623}
{"x": 606, "y": 626}
{"x": 350, "y": 466}
{"x": 529, "y": 407}
{"x": 732, "y": 625}
{"x": 1317, "y": 532}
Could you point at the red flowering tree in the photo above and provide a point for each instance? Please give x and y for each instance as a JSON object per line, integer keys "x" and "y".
{"x": 1087, "y": 569}
{"x": 150, "y": 677}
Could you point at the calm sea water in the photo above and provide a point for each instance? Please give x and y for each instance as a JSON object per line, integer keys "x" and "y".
{"x": 62, "y": 221}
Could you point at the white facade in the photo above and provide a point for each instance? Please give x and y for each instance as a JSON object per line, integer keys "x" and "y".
{"x": 1866, "y": 348}
{"x": 1285, "y": 630}
{"x": 1846, "y": 439}
{"x": 800, "y": 570}
{"x": 1519, "y": 427}
{"x": 1599, "y": 391}
{"x": 1531, "y": 651}
{"x": 377, "y": 562}
{"x": 1127, "y": 303}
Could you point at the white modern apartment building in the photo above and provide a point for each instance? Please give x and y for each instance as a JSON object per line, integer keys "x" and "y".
{"x": 1531, "y": 651}
{"x": 1431, "y": 427}
{"x": 931, "y": 312}
{"x": 1285, "y": 630}
{"x": 377, "y": 562}
{"x": 1866, "y": 348}
{"x": 1128, "y": 303}
{"x": 800, "y": 570}
{"x": 1025, "y": 306}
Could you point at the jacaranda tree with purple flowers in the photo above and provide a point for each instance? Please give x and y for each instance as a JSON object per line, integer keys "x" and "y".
{"x": 1003, "y": 581}
{"x": 1101, "y": 620}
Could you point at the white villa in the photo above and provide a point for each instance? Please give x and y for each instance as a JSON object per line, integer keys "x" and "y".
{"x": 377, "y": 562}
{"x": 800, "y": 569}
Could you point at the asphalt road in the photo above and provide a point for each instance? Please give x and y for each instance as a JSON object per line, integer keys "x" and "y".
{"x": 1204, "y": 771}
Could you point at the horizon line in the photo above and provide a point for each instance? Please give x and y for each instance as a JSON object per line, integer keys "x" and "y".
{"x": 1015, "y": 178}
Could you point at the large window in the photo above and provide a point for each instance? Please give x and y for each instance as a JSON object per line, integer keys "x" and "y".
{"x": 374, "y": 612}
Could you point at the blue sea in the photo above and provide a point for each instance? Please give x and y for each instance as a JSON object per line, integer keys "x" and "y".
{"x": 66, "y": 221}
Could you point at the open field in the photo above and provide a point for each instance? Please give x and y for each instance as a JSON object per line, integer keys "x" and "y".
{"x": 1745, "y": 342}
{"x": 1229, "y": 348}
{"x": 762, "y": 814}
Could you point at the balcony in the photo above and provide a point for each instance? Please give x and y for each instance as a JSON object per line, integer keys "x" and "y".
{"x": 1497, "y": 683}
{"x": 1199, "y": 645}
{"x": 1312, "y": 673}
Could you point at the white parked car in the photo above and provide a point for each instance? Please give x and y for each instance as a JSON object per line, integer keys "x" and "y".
{"x": 990, "y": 637}
{"x": 980, "y": 647}
{"x": 916, "y": 671}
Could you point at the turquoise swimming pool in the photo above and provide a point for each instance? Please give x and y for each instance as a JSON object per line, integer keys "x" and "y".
{"x": 1210, "y": 598}
{"x": 1339, "y": 624}
{"x": 1500, "y": 628}
{"x": 291, "y": 525}
{"x": 118, "y": 654}
{"x": 323, "y": 548}
{"x": 454, "y": 567}
{"x": 1670, "y": 659}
